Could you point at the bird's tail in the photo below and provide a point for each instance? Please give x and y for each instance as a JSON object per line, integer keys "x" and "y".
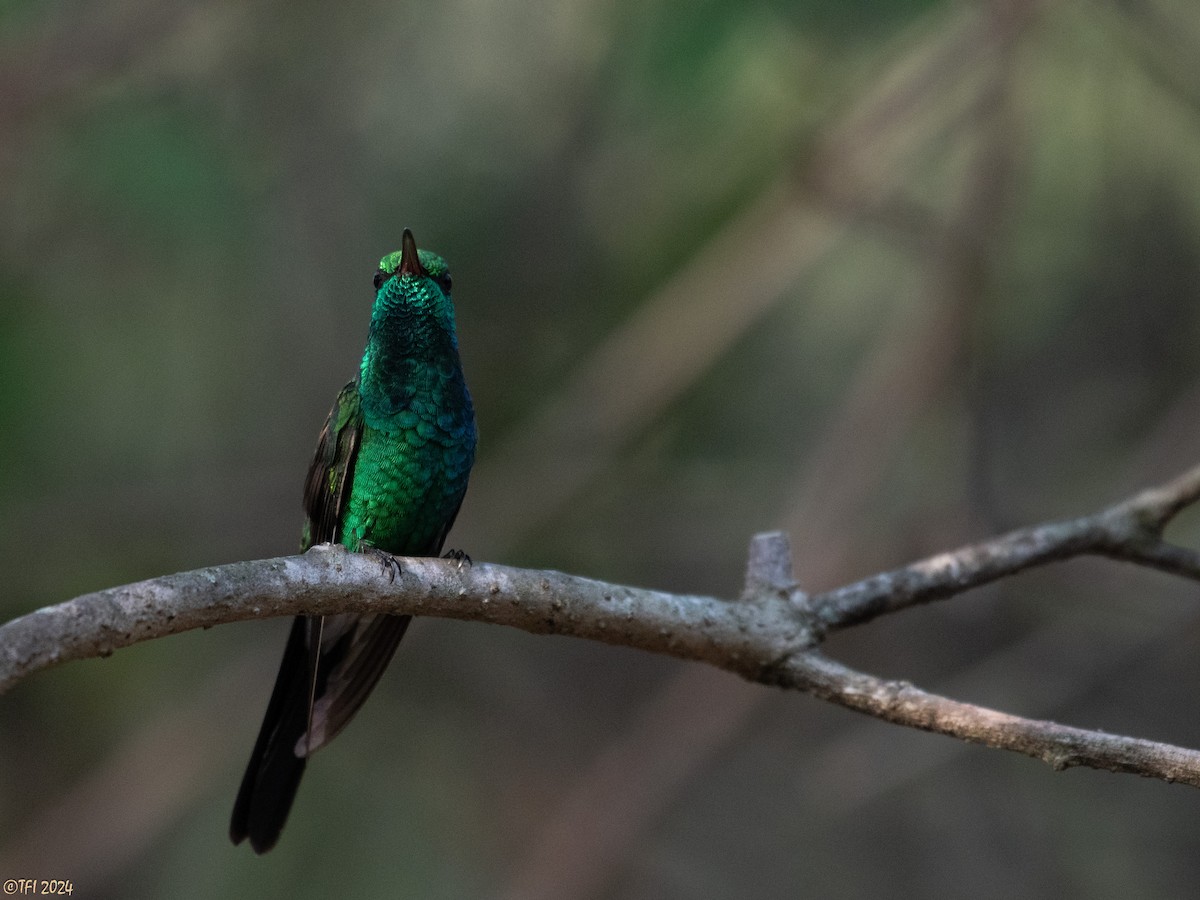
{"x": 273, "y": 774}
{"x": 330, "y": 666}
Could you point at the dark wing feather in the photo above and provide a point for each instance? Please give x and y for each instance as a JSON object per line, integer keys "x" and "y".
{"x": 273, "y": 773}
{"x": 354, "y": 652}
{"x": 326, "y": 489}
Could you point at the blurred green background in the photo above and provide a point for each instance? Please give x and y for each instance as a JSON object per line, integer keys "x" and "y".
{"x": 892, "y": 276}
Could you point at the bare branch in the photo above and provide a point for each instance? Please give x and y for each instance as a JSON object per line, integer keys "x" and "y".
{"x": 1130, "y": 531}
{"x": 1154, "y": 507}
{"x": 769, "y": 635}
{"x": 1059, "y": 745}
{"x": 329, "y": 579}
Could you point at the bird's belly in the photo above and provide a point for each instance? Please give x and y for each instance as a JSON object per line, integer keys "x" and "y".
{"x": 405, "y": 489}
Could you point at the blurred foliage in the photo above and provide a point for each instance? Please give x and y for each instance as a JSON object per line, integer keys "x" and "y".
{"x": 195, "y": 193}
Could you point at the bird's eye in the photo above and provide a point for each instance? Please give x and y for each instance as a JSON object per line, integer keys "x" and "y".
{"x": 379, "y": 276}
{"x": 444, "y": 281}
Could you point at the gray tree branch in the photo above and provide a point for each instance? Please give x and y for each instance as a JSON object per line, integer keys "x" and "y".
{"x": 1130, "y": 531}
{"x": 770, "y": 634}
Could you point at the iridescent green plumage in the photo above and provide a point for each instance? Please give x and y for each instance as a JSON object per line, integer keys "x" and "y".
{"x": 389, "y": 474}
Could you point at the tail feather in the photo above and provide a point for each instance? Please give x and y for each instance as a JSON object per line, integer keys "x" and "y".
{"x": 273, "y": 773}
{"x": 329, "y": 667}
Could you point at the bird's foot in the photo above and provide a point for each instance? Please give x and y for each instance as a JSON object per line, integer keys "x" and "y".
{"x": 458, "y": 556}
{"x": 390, "y": 564}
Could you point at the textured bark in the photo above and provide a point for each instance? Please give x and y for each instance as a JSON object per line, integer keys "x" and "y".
{"x": 770, "y": 634}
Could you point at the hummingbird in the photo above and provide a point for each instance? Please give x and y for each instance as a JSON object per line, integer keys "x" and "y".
{"x": 388, "y": 477}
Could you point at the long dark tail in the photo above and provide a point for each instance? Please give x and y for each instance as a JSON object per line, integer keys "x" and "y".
{"x": 336, "y": 666}
{"x": 274, "y": 771}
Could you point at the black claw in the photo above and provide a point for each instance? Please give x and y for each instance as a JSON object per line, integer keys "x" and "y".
{"x": 390, "y": 564}
{"x": 458, "y": 556}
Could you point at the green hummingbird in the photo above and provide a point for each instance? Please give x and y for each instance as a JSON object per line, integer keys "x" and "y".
{"x": 388, "y": 476}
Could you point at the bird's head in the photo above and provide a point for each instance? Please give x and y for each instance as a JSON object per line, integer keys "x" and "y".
{"x": 405, "y": 269}
{"x": 412, "y": 301}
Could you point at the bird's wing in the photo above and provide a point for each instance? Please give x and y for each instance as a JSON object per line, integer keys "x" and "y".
{"x": 349, "y": 652}
{"x": 328, "y": 486}
{"x": 354, "y": 651}
{"x": 275, "y": 766}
